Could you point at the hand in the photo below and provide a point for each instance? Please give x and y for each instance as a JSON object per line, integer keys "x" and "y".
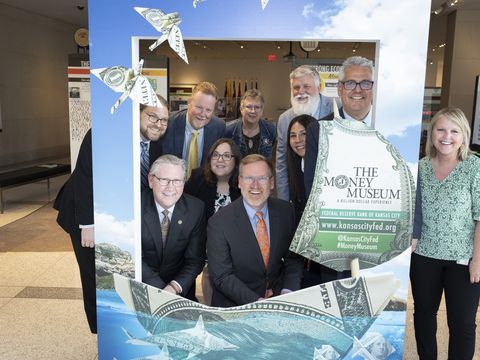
{"x": 474, "y": 268}
{"x": 268, "y": 293}
{"x": 414, "y": 245}
{"x": 88, "y": 237}
{"x": 170, "y": 289}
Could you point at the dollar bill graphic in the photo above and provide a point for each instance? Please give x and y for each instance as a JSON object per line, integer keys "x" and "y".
{"x": 326, "y": 316}
{"x": 168, "y": 25}
{"x": 130, "y": 82}
{"x": 361, "y": 202}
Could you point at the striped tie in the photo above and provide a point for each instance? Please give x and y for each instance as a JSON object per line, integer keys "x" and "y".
{"x": 193, "y": 152}
{"x": 262, "y": 238}
{"x": 144, "y": 164}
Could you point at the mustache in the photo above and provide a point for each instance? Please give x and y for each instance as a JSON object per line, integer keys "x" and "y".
{"x": 302, "y": 96}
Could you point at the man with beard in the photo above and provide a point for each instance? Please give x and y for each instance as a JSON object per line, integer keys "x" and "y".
{"x": 305, "y": 99}
{"x": 153, "y": 124}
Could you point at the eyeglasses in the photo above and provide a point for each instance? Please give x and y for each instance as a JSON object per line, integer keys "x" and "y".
{"x": 154, "y": 119}
{"x": 261, "y": 179}
{"x": 166, "y": 182}
{"x": 252, "y": 107}
{"x": 352, "y": 84}
{"x": 225, "y": 156}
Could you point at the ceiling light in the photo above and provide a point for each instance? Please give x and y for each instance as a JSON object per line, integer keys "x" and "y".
{"x": 442, "y": 45}
{"x": 451, "y": 3}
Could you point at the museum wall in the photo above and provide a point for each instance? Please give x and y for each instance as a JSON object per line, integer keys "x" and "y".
{"x": 33, "y": 86}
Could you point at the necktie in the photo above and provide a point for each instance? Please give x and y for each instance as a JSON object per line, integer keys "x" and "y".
{"x": 262, "y": 238}
{"x": 193, "y": 152}
{"x": 144, "y": 164}
{"x": 164, "y": 226}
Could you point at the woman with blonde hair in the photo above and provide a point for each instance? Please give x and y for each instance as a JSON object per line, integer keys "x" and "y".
{"x": 446, "y": 255}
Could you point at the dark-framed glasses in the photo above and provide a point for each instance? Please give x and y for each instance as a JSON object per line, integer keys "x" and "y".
{"x": 154, "y": 119}
{"x": 166, "y": 182}
{"x": 225, "y": 156}
{"x": 261, "y": 179}
{"x": 352, "y": 84}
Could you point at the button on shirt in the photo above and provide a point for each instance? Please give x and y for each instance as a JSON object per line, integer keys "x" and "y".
{"x": 186, "y": 144}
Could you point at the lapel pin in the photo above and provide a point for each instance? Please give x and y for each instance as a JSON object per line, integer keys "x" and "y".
{"x": 180, "y": 222}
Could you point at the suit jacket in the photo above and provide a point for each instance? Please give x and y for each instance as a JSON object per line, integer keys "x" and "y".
{"x": 234, "y": 257}
{"x": 74, "y": 201}
{"x": 311, "y": 152}
{"x": 183, "y": 257}
{"x": 155, "y": 150}
{"x": 174, "y": 137}
{"x": 197, "y": 186}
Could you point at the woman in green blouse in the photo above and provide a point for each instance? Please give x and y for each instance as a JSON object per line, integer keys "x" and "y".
{"x": 446, "y": 255}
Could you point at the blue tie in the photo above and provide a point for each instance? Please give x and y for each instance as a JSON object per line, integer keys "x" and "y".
{"x": 144, "y": 164}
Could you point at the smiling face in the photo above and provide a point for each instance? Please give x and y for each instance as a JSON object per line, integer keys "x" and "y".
{"x": 252, "y": 110}
{"x": 297, "y": 137}
{"x": 166, "y": 195}
{"x": 305, "y": 95}
{"x": 356, "y": 102}
{"x": 220, "y": 167}
{"x": 256, "y": 192}
{"x": 447, "y": 137}
{"x": 153, "y": 122}
{"x": 200, "y": 109}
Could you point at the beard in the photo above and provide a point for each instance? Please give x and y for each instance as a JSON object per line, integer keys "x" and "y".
{"x": 307, "y": 108}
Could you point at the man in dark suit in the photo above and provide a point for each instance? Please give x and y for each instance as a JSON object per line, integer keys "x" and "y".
{"x": 193, "y": 131}
{"x": 355, "y": 88}
{"x": 173, "y": 230}
{"x": 248, "y": 241}
{"x": 74, "y": 202}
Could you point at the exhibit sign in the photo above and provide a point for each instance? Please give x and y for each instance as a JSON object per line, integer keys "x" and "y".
{"x": 361, "y": 201}
{"x": 78, "y": 102}
{"x": 123, "y": 330}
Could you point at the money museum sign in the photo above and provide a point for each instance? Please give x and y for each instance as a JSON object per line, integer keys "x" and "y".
{"x": 361, "y": 199}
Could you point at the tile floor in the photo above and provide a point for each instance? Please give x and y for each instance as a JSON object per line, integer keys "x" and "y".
{"x": 41, "y": 311}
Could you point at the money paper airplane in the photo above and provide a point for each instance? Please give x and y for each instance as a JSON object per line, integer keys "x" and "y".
{"x": 264, "y": 4}
{"x": 168, "y": 25}
{"x": 130, "y": 82}
{"x": 196, "y": 2}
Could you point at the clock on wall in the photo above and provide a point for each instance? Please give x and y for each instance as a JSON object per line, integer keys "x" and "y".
{"x": 81, "y": 37}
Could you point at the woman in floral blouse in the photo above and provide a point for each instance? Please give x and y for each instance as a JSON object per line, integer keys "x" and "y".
{"x": 446, "y": 255}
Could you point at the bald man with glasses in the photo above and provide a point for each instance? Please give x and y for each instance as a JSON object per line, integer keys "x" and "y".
{"x": 355, "y": 89}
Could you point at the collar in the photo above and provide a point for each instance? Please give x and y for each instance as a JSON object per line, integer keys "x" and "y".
{"x": 251, "y": 211}
{"x": 366, "y": 120}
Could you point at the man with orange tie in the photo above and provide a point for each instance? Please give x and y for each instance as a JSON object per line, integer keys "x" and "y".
{"x": 248, "y": 241}
{"x": 192, "y": 132}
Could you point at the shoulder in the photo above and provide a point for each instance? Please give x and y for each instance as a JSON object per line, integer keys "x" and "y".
{"x": 330, "y": 116}
{"x": 192, "y": 203}
{"x": 279, "y": 204}
{"x": 216, "y": 123}
{"x": 286, "y": 116}
{"x": 270, "y": 125}
{"x": 232, "y": 126}
{"x": 226, "y": 213}
{"x": 178, "y": 116}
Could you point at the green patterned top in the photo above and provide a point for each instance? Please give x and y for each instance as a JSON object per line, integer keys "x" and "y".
{"x": 449, "y": 209}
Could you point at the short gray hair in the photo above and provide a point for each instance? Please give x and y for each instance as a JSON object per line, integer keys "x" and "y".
{"x": 168, "y": 159}
{"x": 355, "y": 61}
{"x": 304, "y": 70}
